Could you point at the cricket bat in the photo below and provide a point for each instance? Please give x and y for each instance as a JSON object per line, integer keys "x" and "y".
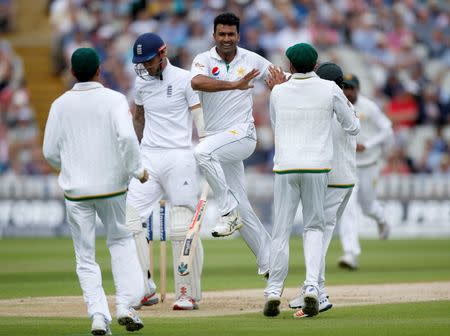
{"x": 190, "y": 242}
{"x": 150, "y": 244}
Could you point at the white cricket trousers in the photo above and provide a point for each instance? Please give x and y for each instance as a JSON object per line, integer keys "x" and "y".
{"x": 366, "y": 196}
{"x": 172, "y": 172}
{"x": 289, "y": 190}
{"x": 336, "y": 200}
{"x": 348, "y": 226}
{"x": 124, "y": 261}
{"x": 220, "y": 157}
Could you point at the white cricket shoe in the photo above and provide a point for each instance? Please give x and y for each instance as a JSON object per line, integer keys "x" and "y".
{"x": 348, "y": 261}
{"x": 298, "y": 302}
{"x": 129, "y": 319}
{"x": 99, "y": 325}
{"x": 383, "y": 231}
{"x": 185, "y": 302}
{"x": 324, "y": 303}
{"x": 227, "y": 224}
{"x": 311, "y": 301}
{"x": 272, "y": 305}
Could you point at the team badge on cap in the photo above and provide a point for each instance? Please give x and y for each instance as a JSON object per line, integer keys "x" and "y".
{"x": 215, "y": 71}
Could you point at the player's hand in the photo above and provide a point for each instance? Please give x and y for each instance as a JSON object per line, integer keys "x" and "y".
{"x": 276, "y": 76}
{"x": 244, "y": 82}
{"x": 144, "y": 177}
{"x": 360, "y": 148}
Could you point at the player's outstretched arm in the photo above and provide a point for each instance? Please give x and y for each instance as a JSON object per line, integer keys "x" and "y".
{"x": 345, "y": 112}
{"x": 276, "y": 76}
{"x": 206, "y": 84}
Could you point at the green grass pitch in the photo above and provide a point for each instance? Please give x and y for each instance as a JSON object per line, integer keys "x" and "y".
{"x": 46, "y": 267}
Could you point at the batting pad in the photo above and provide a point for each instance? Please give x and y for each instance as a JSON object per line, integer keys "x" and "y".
{"x": 134, "y": 223}
{"x": 189, "y": 284}
{"x": 179, "y": 219}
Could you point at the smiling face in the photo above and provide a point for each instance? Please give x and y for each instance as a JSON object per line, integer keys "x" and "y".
{"x": 227, "y": 38}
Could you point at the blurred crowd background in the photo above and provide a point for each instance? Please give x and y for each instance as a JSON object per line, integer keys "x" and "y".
{"x": 400, "y": 50}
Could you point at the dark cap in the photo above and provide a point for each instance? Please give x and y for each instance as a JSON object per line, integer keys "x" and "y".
{"x": 351, "y": 80}
{"x": 146, "y": 47}
{"x": 85, "y": 60}
{"x": 330, "y": 71}
{"x": 302, "y": 56}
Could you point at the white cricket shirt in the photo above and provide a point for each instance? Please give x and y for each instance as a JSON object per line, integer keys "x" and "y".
{"x": 376, "y": 128}
{"x": 302, "y": 111}
{"x": 168, "y": 120}
{"x": 90, "y": 137}
{"x": 224, "y": 109}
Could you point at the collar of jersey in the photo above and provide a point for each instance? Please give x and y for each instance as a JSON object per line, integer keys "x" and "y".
{"x": 304, "y": 75}
{"x": 215, "y": 55}
{"x": 167, "y": 68}
{"x": 83, "y": 86}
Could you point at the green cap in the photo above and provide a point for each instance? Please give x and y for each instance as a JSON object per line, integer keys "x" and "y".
{"x": 85, "y": 60}
{"x": 330, "y": 71}
{"x": 302, "y": 56}
{"x": 351, "y": 80}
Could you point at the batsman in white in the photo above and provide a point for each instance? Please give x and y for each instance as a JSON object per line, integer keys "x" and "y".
{"x": 89, "y": 136}
{"x": 376, "y": 130}
{"x": 165, "y": 108}
{"x": 302, "y": 111}
{"x": 341, "y": 181}
{"x": 223, "y": 78}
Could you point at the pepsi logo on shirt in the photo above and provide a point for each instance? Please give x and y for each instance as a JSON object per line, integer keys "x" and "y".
{"x": 215, "y": 71}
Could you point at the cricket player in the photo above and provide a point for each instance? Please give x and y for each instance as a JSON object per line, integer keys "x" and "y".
{"x": 341, "y": 181}
{"x": 89, "y": 137}
{"x": 165, "y": 108}
{"x": 302, "y": 109}
{"x": 223, "y": 77}
{"x": 376, "y": 130}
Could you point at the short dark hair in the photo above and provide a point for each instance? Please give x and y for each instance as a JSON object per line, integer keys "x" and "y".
{"x": 83, "y": 76}
{"x": 304, "y": 68}
{"x": 227, "y": 19}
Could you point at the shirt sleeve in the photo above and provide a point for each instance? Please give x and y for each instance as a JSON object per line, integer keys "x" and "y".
{"x": 383, "y": 124}
{"x": 345, "y": 113}
{"x": 51, "y": 143}
{"x": 191, "y": 95}
{"x": 263, "y": 67}
{"x": 126, "y": 136}
{"x": 200, "y": 66}
{"x": 272, "y": 110}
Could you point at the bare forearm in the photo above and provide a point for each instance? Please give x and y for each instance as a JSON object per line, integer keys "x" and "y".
{"x": 206, "y": 84}
{"x": 139, "y": 121}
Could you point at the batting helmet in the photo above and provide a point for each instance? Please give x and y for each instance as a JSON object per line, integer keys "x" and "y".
{"x": 146, "y": 47}
{"x": 332, "y": 72}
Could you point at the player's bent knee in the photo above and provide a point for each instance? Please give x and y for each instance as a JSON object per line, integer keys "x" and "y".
{"x": 179, "y": 220}
{"x": 201, "y": 156}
